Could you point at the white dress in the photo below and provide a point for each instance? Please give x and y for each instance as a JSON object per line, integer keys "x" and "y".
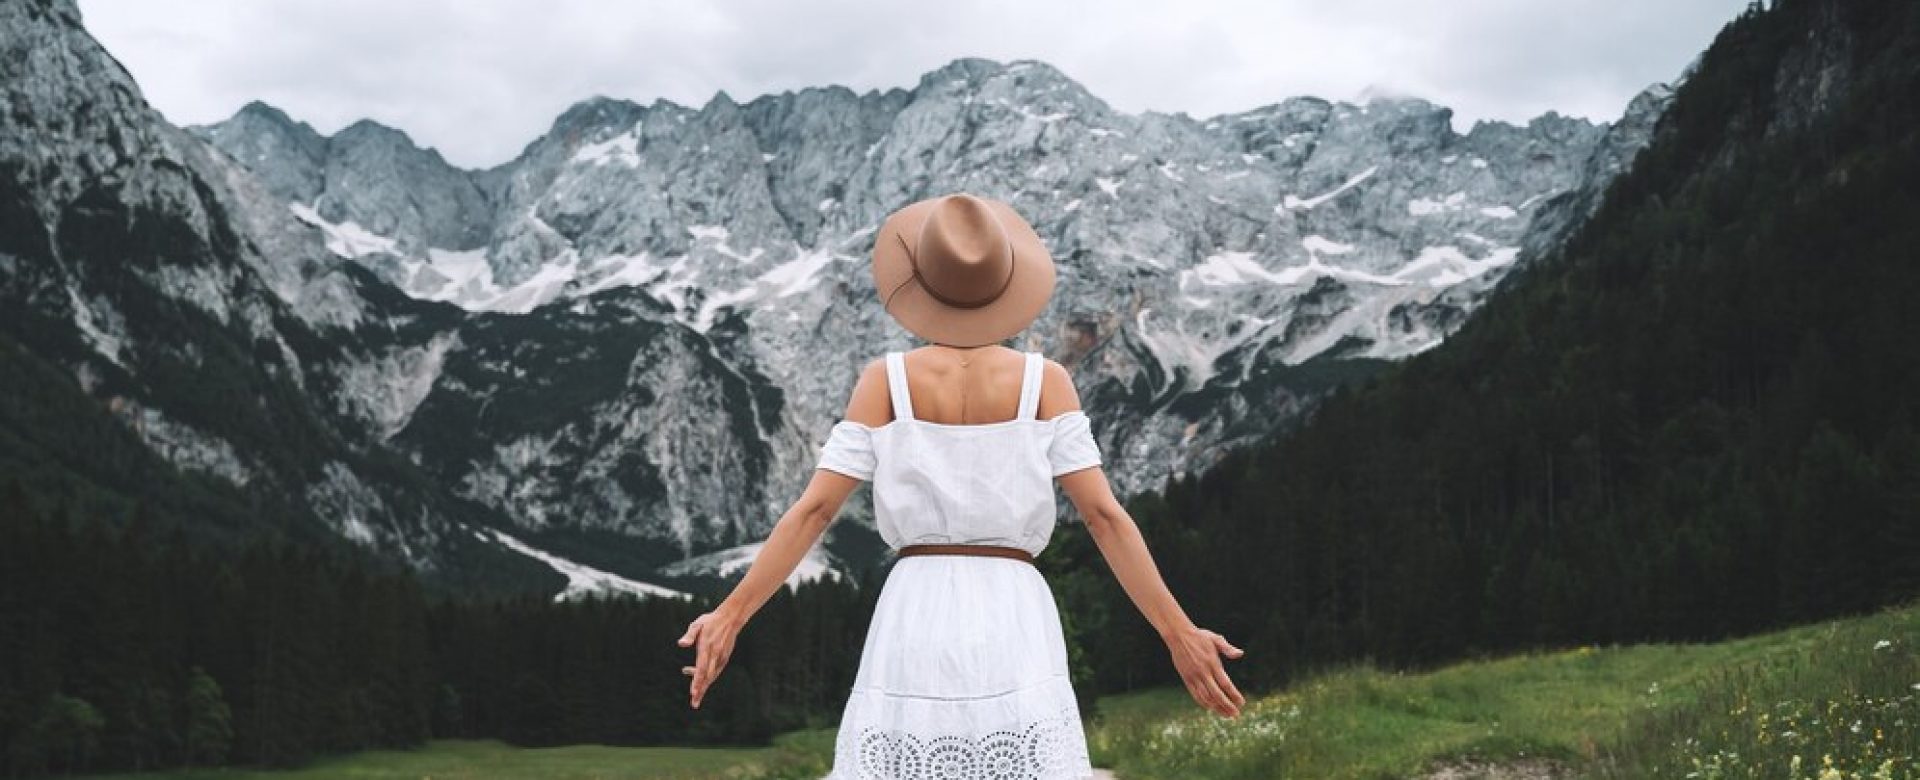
{"x": 964, "y": 670}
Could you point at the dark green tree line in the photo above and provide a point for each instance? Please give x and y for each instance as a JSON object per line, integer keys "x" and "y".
{"x": 1696, "y": 419}
{"x": 123, "y": 648}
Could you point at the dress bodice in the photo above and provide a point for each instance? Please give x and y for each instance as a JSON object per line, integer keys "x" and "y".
{"x": 988, "y": 483}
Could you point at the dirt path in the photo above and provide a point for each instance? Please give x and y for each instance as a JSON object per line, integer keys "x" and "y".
{"x": 1526, "y": 769}
{"x": 1523, "y": 770}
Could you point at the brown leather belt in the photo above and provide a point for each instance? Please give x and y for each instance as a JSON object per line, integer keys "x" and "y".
{"x": 992, "y": 550}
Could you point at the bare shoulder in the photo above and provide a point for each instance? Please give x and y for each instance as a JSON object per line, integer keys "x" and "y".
{"x": 869, "y": 404}
{"x": 1057, "y": 393}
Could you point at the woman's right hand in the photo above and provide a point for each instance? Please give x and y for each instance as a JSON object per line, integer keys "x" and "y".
{"x": 1196, "y": 654}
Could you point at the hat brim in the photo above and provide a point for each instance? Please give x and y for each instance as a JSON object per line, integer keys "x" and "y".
{"x": 1016, "y": 308}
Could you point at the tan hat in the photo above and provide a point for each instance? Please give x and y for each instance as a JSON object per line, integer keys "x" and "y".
{"x": 961, "y": 270}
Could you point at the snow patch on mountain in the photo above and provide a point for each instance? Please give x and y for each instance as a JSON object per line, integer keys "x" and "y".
{"x": 1321, "y": 245}
{"x": 346, "y": 239}
{"x": 1444, "y": 266}
{"x": 1193, "y": 350}
{"x": 1421, "y": 207}
{"x": 622, "y": 149}
{"x": 582, "y": 580}
{"x": 734, "y": 561}
{"x": 1296, "y": 202}
{"x": 1230, "y": 268}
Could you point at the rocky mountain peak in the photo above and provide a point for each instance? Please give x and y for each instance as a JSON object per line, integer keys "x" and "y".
{"x": 1200, "y": 259}
{"x": 367, "y": 132}
{"x": 271, "y": 116}
{"x": 721, "y": 106}
{"x": 661, "y": 309}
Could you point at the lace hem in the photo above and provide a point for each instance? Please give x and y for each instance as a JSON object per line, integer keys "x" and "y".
{"x": 1052, "y": 747}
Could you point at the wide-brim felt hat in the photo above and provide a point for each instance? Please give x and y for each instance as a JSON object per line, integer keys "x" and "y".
{"x": 961, "y": 270}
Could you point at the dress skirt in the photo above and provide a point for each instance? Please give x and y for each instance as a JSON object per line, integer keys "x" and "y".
{"x": 963, "y": 674}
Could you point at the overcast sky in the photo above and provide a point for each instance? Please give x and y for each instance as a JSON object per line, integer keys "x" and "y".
{"x": 478, "y": 80}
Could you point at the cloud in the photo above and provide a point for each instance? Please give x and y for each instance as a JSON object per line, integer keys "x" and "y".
{"x": 480, "y": 80}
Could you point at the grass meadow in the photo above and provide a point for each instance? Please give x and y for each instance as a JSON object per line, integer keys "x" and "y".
{"x": 1838, "y": 700}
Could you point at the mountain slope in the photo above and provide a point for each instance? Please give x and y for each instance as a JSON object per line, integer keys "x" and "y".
{"x": 421, "y": 358}
{"x": 1217, "y": 273}
{"x": 1696, "y": 418}
{"x": 143, "y": 269}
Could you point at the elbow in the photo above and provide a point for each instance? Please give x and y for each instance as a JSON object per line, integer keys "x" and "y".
{"x": 814, "y": 515}
{"x": 1102, "y": 517}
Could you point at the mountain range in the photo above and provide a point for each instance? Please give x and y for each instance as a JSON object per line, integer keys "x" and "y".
{"x": 607, "y": 364}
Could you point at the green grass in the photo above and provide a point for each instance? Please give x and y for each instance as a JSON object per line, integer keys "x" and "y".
{"x": 1847, "y": 690}
{"x": 793, "y": 756}
{"x": 1628, "y": 712}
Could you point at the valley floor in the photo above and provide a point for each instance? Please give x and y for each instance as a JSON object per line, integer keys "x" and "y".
{"x": 1841, "y": 695}
{"x": 486, "y": 760}
{"x": 1775, "y": 705}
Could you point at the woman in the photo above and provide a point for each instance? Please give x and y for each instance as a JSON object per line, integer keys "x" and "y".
{"x": 964, "y": 669}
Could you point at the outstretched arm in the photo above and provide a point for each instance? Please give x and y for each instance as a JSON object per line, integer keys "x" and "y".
{"x": 795, "y": 533}
{"x": 1196, "y": 651}
{"x": 714, "y": 632}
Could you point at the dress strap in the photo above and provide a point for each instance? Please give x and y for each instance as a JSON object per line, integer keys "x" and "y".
{"x": 897, "y": 386}
{"x": 1030, "y": 388}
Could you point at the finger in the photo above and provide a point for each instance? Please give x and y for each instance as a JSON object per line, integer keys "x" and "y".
{"x": 687, "y": 670}
{"x": 708, "y": 669}
{"x": 714, "y": 668}
{"x": 1197, "y": 686}
{"x": 1219, "y": 698}
{"x": 707, "y": 656}
{"x": 693, "y": 633}
{"x": 701, "y": 677}
{"x": 1227, "y": 647}
{"x": 1226, "y": 684}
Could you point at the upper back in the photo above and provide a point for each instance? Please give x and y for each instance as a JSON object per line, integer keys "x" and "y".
{"x": 943, "y": 391}
{"x": 979, "y": 476}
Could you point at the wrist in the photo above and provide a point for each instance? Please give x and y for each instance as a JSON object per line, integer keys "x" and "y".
{"x": 732, "y": 613}
{"x": 1176, "y": 630}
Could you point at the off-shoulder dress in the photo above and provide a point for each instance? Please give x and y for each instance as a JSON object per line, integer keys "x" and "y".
{"x": 963, "y": 673}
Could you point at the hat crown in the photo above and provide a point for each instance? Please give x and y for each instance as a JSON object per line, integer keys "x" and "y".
{"x": 961, "y": 269}
{"x": 963, "y": 254}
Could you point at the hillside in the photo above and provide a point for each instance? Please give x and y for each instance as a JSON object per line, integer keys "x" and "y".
{"x": 1698, "y": 419}
{"x": 1846, "y": 689}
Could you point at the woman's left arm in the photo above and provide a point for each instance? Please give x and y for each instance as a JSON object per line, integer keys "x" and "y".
{"x": 798, "y": 529}
{"x": 714, "y": 632}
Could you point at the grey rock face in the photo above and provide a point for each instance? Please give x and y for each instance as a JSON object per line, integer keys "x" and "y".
{"x": 658, "y": 311}
{"x": 1206, "y": 264}
{"x": 367, "y": 175}
{"x": 187, "y": 302}
{"x": 1558, "y": 215}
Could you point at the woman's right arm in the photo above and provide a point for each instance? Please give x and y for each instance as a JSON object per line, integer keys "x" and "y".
{"x": 1196, "y": 651}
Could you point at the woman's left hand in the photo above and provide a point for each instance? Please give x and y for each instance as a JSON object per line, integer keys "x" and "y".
{"x": 714, "y": 633}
